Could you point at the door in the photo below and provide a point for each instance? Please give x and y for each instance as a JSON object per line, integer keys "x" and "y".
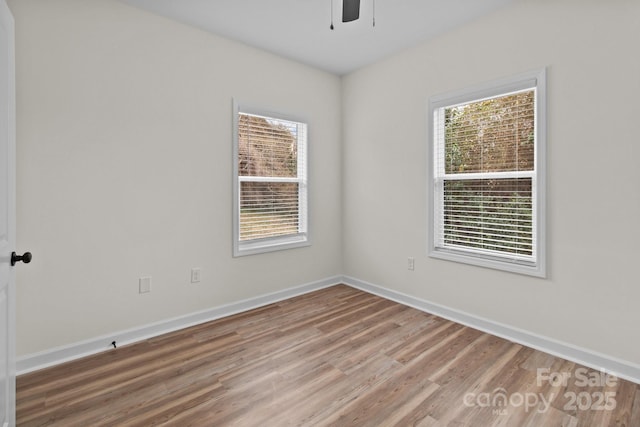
{"x": 7, "y": 218}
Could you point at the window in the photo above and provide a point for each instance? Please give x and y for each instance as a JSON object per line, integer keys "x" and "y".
{"x": 487, "y": 182}
{"x": 270, "y": 182}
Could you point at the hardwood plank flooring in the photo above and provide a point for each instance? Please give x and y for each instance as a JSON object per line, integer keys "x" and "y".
{"x": 335, "y": 357}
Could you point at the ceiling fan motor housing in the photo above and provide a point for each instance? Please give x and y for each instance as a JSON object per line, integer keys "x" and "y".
{"x": 350, "y": 10}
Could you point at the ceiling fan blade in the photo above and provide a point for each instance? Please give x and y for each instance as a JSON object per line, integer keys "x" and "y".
{"x": 350, "y": 10}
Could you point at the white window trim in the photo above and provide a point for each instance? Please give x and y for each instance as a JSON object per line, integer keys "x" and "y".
{"x": 530, "y": 79}
{"x": 269, "y": 244}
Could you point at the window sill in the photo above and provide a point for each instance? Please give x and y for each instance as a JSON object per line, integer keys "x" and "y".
{"x": 258, "y": 246}
{"x": 520, "y": 267}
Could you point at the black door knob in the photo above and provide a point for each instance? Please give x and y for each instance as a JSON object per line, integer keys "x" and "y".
{"x": 26, "y": 258}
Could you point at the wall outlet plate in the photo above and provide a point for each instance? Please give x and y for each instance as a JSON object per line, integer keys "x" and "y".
{"x": 144, "y": 284}
{"x": 195, "y": 275}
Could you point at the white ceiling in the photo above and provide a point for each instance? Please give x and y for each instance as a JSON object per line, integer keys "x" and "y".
{"x": 299, "y": 29}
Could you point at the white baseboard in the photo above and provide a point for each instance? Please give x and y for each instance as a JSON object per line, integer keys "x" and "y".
{"x": 621, "y": 368}
{"x": 602, "y": 362}
{"x": 55, "y": 356}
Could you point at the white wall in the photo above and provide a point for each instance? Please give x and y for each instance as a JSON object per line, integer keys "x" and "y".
{"x": 590, "y": 298}
{"x": 124, "y": 169}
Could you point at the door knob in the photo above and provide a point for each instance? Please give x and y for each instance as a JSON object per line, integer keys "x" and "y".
{"x": 26, "y": 258}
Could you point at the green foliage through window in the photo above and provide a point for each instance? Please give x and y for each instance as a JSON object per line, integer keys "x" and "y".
{"x": 490, "y": 135}
{"x": 486, "y": 161}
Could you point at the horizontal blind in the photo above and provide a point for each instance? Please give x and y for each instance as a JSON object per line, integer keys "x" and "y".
{"x": 489, "y": 216}
{"x": 272, "y": 177}
{"x": 485, "y": 176}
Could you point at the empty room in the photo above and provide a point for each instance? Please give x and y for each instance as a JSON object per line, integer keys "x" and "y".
{"x": 320, "y": 213}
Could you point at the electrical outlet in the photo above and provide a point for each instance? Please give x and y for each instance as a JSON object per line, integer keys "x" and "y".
{"x": 195, "y": 275}
{"x": 411, "y": 263}
{"x": 144, "y": 284}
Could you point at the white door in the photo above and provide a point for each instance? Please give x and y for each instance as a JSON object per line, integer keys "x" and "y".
{"x": 7, "y": 218}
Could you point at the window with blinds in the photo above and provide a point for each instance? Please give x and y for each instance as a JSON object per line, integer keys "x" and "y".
{"x": 270, "y": 183}
{"x": 487, "y": 186}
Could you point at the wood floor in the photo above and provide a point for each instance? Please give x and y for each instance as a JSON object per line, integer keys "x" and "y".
{"x": 335, "y": 357}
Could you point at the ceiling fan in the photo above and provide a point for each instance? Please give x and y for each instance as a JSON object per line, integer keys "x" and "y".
{"x": 351, "y": 11}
